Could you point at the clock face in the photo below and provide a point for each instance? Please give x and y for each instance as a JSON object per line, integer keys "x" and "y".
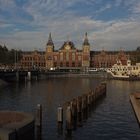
{"x": 67, "y": 47}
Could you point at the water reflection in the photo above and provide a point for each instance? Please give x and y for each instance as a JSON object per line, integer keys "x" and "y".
{"x": 112, "y": 119}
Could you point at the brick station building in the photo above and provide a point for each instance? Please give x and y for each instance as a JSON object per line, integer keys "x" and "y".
{"x": 69, "y": 57}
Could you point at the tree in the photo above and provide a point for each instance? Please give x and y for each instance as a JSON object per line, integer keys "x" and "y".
{"x": 138, "y": 48}
{"x": 8, "y": 56}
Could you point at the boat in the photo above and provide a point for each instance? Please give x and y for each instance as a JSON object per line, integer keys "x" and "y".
{"x": 124, "y": 72}
{"x": 92, "y": 70}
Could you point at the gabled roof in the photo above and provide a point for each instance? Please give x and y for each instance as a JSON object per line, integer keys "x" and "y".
{"x": 70, "y": 43}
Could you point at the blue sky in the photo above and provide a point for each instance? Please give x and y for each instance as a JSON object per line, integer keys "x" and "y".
{"x": 111, "y": 24}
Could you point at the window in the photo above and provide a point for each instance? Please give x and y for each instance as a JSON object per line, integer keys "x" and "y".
{"x": 61, "y": 64}
{"x": 79, "y": 58}
{"x": 73, "y": 64}
{"x": 73, "y": 56}
{"x": 61, "y": 56}
{"x": 55, "y": 64}
{"x": 67, "y": 64}
{"x": 79, "y": 64}
{"x": 55, "y": 58}
{"x": 67, "y": 56}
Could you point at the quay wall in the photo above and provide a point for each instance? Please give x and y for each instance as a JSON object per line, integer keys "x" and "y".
{"x": 16, "y": 126}
{"x": 2, "y": 83}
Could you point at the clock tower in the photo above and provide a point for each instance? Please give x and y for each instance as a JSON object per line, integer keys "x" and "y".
{"x": 49, "y": 53}
{"x": 86, "y": 52}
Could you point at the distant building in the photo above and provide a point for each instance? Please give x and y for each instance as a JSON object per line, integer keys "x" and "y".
{"x": 33, "y": 60}
{"x": 106, "y": 59}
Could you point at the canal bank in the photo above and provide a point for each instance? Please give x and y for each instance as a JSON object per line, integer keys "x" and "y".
{"x": 3, "y": 83}
{"x": 16, "y": 126}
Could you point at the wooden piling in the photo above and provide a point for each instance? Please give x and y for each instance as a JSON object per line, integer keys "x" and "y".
{"x": 60, "y": 128}
{"x": 88, "y": 99}
{"x": 60, "y": 115}
{"x": 96, "y": 93}
{"x": 68, "y": 119}
{"x": 79, "y": 104}
{"x": 78, "y": 109}
{"x": 105, "y": 85}
{"x": 73, "y": 106}
{"x": 79, "y": 119}
{"x": 93, "y": 96}
{"x": 39, "y": 122}
{"x": 83, "y": 102}
{"x": 60, "y": 120}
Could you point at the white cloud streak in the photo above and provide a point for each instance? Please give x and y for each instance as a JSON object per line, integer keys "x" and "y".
{"x": 56, "y": 17}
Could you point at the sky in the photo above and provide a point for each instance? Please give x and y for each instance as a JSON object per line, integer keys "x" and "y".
{"x": 110, "y": 24}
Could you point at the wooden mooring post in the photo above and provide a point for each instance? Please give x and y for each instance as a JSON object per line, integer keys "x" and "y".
{"x": 60, "y": 120}
{"x": 60, "y": 115}
{"x": 73, "y": 105}
{"x": 84, "y": 102}
{"x": 79, "y": 104}
{"x": 68, "y": 119}
{"x": 105, "y": 87}
{"x": 39, "y": 122}
{"x": 79, "y": 110}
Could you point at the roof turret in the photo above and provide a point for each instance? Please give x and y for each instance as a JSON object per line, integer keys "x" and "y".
{"x": 50, "y": 42}
{"x": 86, "y": 40}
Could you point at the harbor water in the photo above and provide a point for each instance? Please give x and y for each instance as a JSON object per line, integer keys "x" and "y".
{"x": 112, "y": 119}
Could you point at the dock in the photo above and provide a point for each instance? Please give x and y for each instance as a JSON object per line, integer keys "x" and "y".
{"x": 135, "y": 102}
{"x": 16, "y": 125}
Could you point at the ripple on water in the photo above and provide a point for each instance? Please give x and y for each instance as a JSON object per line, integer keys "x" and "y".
{"x": 113, "y": 118}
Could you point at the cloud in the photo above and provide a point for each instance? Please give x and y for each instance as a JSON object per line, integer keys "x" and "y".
{"x": 32, "y": 22}
{"x": 136, "y": 9}
{"x": 104, "y": 8}
{"x": 108, "y": 35}
{"x": 122, "y": 34}
{"x": 5, "y": 25}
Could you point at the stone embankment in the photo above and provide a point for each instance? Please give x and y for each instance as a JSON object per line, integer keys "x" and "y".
{"x": 16, "y": 126}
{"x": 2, "y": 83}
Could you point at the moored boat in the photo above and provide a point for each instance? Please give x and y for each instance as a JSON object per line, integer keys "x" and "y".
{"x": 124, "y": 72}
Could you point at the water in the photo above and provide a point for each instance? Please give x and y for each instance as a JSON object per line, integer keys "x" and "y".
{"x": 113, "y": 118}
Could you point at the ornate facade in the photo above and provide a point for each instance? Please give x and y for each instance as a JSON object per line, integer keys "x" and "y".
{"x": 69, "y": 57}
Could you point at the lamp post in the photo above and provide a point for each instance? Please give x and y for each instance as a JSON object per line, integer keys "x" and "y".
{"x": 15, "y": 59}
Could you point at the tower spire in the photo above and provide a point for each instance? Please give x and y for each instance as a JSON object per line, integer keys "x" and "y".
{"x": 86, "y": 40}
{"x": 50, "y": 42}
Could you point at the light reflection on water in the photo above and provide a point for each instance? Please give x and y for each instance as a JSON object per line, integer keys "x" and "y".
{"x": 112, "y": 119}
